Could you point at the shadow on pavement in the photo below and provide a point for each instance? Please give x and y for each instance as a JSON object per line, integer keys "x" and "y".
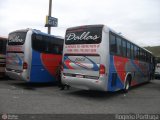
{"x": 106, "y": 94}
{"x": 31, "y": 86}
{"x": 5, "y": 78}
{"x": 95, "y": 94}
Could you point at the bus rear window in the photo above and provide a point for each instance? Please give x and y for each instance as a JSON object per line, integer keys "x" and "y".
{"x": 17, "y": 38}
{"x": 84, "y": 35}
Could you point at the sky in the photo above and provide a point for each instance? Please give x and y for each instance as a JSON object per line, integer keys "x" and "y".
{"x": 137, "y": 20}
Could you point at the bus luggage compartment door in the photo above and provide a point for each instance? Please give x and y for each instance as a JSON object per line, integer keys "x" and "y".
{"x": 82, "y": 66}
{"x": 14, "y": 61}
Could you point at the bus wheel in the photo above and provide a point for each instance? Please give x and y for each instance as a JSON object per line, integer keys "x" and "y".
{"x": 127, "y": 85}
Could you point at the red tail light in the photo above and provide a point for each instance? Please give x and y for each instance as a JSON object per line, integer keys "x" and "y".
{"x": 102, "y": 70}
{"x": 25, "y": 65}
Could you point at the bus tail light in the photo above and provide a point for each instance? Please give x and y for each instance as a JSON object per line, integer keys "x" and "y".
{"x": 25, "y": 65}
{"x": 102, "y": 70}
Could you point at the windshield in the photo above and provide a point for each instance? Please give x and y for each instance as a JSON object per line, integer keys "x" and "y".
{"x": 17, "y": 38}
{"x": 84, "y": 35}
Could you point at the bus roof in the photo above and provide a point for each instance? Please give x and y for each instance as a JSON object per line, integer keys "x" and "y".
{"x": 37, "y": 32}
{"x": 42, "y": 33}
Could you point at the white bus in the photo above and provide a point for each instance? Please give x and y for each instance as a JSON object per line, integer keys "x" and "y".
{"x": 33, "y": 56}
{"x": 97, "y": 58}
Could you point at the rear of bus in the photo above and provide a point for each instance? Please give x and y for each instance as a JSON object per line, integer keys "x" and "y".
{"x": 33, "y": 56}
{"x": 15, "y": 64}
{"x": 85, "y": 57}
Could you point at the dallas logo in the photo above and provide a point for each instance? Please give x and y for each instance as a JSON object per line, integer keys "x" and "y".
{"x": 15, "y": 39}
{"x": 83, "y": 36}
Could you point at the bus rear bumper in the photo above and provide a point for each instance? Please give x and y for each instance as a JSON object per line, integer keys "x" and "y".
{"x": 85, "y": 84}
{"x": 15, "y": 75}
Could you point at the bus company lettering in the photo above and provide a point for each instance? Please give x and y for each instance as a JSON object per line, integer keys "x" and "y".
{"x": 83, "y": 36}
{"x": 15, "y": 39}
{"x": 84, "y": 48}
{"x": 15, "y": 48}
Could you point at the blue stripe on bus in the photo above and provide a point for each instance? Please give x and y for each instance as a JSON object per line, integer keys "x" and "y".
{"x": 19, "y": 60}
{"x": 137, "y": 68}
{"x": 119, "y": 84}
{"x": 38, "y": 71}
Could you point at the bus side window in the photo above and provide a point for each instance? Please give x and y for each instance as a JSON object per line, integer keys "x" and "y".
{"x": 119, "y": 46}
{"x": 132, "y": 51}
{"x": 39, "y": 43}
{"x": 124, "y": 51}
{"x": 145, "y": 56}
{"x": 149, "y": 58}
{"x": 61, "y": 49}
{"x": 128, "y": 49}
{"x": 135, "y": 52}
{"x": 141, "y": 55}
{"x": 138, "y": 53}
{"x": 55, "y": 49}
{"x": 113, "y": 47}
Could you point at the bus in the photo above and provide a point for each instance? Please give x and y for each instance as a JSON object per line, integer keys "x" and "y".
{"x": 95, "y": 57}
{"x": 157, "y": 71}
{"x": 33, "y": 56}
{"x": 3, "y": 41}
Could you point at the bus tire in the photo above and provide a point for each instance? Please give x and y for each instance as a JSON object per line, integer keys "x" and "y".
{"x": 127, "y": 84}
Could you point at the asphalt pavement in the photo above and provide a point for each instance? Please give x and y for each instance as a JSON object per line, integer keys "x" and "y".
{"x": 19, "y": 97}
